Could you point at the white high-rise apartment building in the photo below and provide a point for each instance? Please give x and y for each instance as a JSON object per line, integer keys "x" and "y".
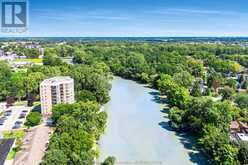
{"x": 56, "y": 90}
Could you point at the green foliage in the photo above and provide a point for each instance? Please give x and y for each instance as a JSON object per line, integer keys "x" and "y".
{"x": 231, "y": 83}
{"x": 243, "y": 153}
{"x": 5, "y": 75}
{"x": 78, "y": 127}
{"x": 215, "y": 79}
{"x": 242, "y": 100}
{"x": 56, "y": 157}
{"x": 177, "y": 95}
{"x": 33, "y": 119}
{"x": 184, "y": 79}
{"x": 196, "y": 89}
{"x": 52, "y": 60}
{"x": 227, "y": 93}
{"x": 109, "y": 161}
{"x": 85, "y": 95}
{"x": 216, "y": 143}
{"x": 175, "y": 116}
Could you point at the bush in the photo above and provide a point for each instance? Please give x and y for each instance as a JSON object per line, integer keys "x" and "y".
{"x": 33, "y": 119}
{"x": 109, "y": 161}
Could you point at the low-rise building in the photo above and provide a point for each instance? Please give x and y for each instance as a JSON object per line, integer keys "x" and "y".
{"x": 239, "y": 131}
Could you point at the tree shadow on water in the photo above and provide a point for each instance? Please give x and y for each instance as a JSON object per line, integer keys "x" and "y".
{"x": 189, "y": 143}
{"x": 165, "y": 125}
{"x": 157, "y": 98}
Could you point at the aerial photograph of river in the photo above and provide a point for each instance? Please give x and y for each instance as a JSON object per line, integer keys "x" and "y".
{"x": 138, "y": 130}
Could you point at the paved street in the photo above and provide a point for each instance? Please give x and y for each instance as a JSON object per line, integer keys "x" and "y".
{"x": 10, "y": 121}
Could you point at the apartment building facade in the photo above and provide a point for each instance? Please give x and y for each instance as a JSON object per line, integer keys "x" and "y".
{"x": 56, "y": 90}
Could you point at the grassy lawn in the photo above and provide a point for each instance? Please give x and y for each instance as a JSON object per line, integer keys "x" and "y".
{"x": 35, "y": 60}
{"x": 36, "y": 103}
{"x": 18, "y": 135}
{"x": 11, "y": 154}
{"x": 20, "y": 103}
{"x": 14, "y": 134}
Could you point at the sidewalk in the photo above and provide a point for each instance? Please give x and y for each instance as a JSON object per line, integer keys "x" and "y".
{"x": 34, "y": 146}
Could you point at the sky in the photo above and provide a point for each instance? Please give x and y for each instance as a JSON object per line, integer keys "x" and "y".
{"x": 137, "y": 18}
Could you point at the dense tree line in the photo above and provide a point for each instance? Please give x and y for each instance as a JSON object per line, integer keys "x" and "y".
{"x": 179, "y": 71}
{"x": 78, "y": 126}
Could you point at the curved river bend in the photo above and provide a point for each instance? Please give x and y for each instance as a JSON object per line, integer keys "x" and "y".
{"x": 138, "y": 132}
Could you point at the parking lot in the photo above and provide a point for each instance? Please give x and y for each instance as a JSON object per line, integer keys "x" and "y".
{"x": 14, "y": 117}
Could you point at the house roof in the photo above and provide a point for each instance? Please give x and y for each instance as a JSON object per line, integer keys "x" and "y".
{"x": 243, "y": 125}
{"x": 234, "y": 125}
{"x": 5, "y": 146}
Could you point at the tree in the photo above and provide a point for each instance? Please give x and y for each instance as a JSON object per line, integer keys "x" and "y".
{"x": 227, "y": 93}
{"x": 184, "y": 79}
{"x": 18, "y": 86}
{"x": 33, "y": 81}
{"x": 196, "y": 89}
{"x": 56, "y": 157}
{"x": 243, "y": 153}
{"x": 177, "y": 95}
{"x": 5, "y": 75}
{"x": 81, "y": 57}
{"x": 85, "y": 95}
{"x": 33, "y": 119}
{"x": 10, "y": 101}
{"x": 31, "y": 100}
{"x": 235, "y": 67}
{"x": 135, "y": 64}
{"x": 5, "y": 71}
{"x": 52, "y": 60}
{"x": 109, "y": 161}
{"x": 245, "y": 84}
{"x": 242, "y": 100}
{"x": 231, "y": 83}
{"x": 216, "y": 143}
{"x": 175, "y": 116}
{"x": 196, "y": 67}
{"x": 215, "y": 80}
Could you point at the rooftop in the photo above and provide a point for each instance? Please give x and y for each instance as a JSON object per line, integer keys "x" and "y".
{"x": 243, "y": 137}
{"x": 57, "y": 80}
{"x": 5, "y": 146}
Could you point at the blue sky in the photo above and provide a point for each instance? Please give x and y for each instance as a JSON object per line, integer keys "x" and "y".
{"x": 101, "y": 18}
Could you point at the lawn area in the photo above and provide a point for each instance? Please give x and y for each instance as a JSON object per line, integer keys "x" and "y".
{"x": 18, "y": 135}
{"x": 14, "y": 134}
{"x": 35, "y": 60}
{"x": 11, "y": 154}
{"x": 20, "y": 103}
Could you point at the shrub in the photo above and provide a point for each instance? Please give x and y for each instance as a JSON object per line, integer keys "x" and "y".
{"x": 33, "y": 119}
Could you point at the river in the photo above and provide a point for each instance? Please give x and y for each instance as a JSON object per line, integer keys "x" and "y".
{"x": 138, "y": 131}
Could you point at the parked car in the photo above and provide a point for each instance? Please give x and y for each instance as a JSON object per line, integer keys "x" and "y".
{"x": 18, "y": 122}
{"x": 25, "y": 111}
{"x": 7, "y": 113}
{"x": 22, "y": 115}
{"x": 3, "y": 118}
{"x": 1, "y": 122}
{"x": 16, "y": 126}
